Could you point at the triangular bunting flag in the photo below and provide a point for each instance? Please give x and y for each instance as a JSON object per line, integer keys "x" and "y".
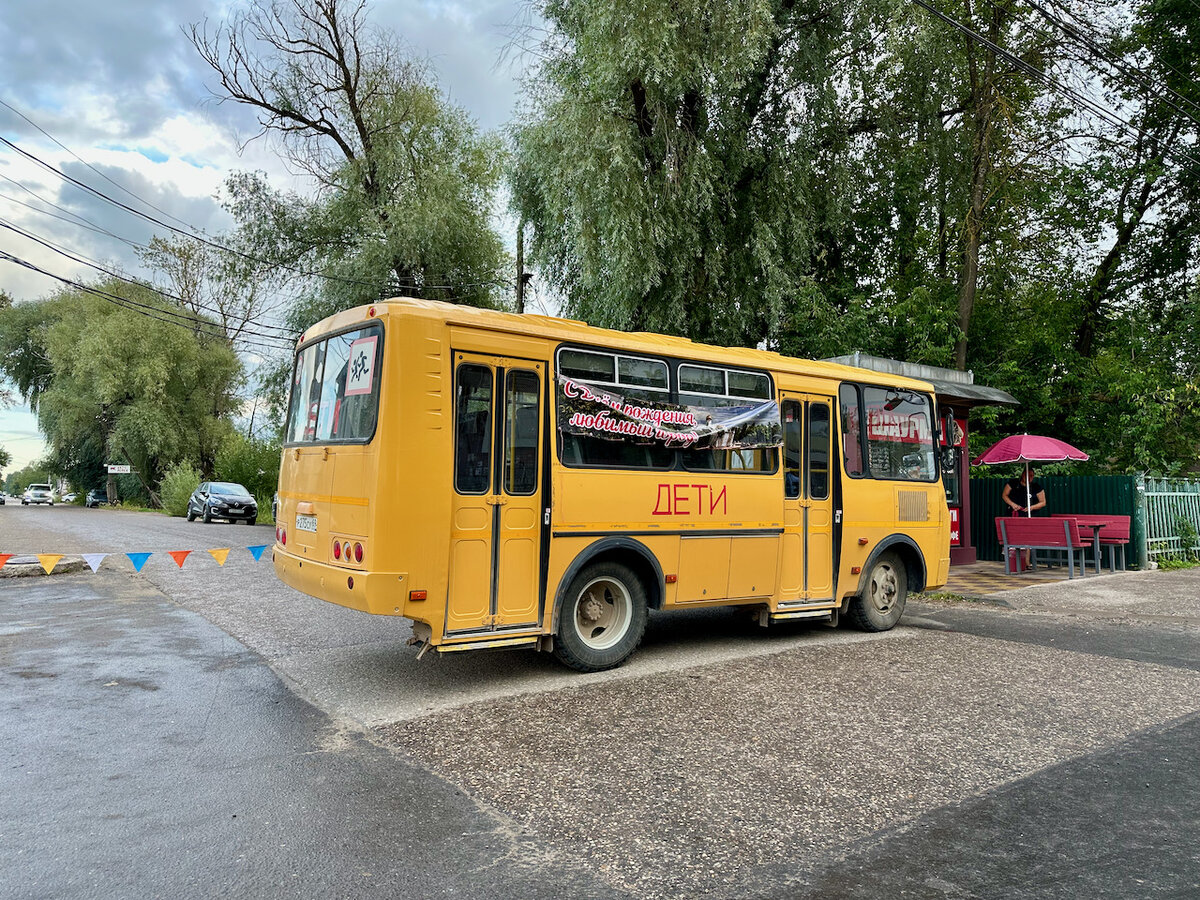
{"x": 94, "y": 559}
{"x": 179, "y": 556}
{"x": 138, "y": 560}
{"x": 49, "y": 561}
{"x": 4, "y": 557}
{"x": 219, "y": 555}
{"x": 257, "y": 551}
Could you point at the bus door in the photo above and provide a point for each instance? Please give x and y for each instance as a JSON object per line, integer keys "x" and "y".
{"x": 496, "y": 515}
{"x": 808, "y": 505}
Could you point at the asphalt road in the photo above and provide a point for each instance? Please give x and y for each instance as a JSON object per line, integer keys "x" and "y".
{"x": 1044, "y": 748}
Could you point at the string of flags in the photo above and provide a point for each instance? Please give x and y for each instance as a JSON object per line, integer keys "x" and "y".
{"x": 49, "y": 560}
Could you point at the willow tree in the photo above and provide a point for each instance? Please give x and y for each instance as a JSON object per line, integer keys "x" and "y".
{"x": 404, "y": 181}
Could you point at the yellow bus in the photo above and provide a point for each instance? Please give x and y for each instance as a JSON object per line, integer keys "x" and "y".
{"x": 506, "y": 480}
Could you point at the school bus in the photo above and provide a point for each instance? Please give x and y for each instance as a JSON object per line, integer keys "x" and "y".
{"x": 505, "y": 480}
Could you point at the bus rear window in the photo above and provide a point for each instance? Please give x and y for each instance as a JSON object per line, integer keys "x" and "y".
{"x": 335, "y": 388}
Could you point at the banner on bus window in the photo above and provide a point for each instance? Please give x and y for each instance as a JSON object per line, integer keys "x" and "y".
{"x": 600, "y": 411}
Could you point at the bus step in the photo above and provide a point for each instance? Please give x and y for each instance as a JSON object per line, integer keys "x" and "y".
{"x": 802, "y": 614}
{"x": 528, "y": 641}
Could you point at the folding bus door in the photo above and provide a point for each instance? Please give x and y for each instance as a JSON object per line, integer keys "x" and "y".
{"x": 807, "y": 571}
{"x": 496, "y": 515}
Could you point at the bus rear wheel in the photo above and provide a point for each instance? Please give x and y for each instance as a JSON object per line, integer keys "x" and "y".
{"x": 603, "y": 618}
{"x": 881, "y": 603}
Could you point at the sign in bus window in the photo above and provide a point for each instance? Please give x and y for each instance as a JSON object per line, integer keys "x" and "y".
{"x": 521, "y": 418}
{"x": 473, "y": 429}
{"x": 899, "y": 434}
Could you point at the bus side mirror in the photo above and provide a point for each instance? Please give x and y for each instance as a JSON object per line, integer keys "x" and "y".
{"x": 949, "y": 459}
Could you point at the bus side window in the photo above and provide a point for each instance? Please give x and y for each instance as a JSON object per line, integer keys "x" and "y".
{"x": 791, "y": 449}
{"x": 818, "y": 451}
{"x": 473, "y": 429}
{"x": 521, "y": 433}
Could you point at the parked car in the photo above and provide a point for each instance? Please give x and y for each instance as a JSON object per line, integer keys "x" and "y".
{"x": 69, "y": 497}
{"x": 37, "y": 493}
{"x": 96, "y": 497}
{"x": 222, "y": 500}
{"x": 1, "y": 498}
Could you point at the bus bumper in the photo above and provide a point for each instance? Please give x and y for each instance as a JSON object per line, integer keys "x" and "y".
{"x": 381, "y": 593}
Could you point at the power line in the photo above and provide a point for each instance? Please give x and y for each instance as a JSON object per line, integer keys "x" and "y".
{"x": 284, "y": 334}
{"x": 1080, "y": 100}
{"x": 115, "y": 184}
{"x": 1132, "y": 72}
{"x": 195, "y": 234}
{"x": 193, "y": 324}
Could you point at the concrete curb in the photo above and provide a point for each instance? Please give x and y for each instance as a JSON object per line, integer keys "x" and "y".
{"x": 29, "y": 566}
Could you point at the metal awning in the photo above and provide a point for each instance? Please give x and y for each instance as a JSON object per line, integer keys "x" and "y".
{"x": 949, "y": 384}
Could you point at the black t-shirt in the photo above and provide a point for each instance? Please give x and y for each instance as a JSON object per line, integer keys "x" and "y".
{"x": 1016, "y": 492}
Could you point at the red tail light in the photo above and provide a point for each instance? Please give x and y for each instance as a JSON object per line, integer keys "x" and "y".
{"x": 283, "y": 535}
{"x": 337, "y": 550}
{"x": 358, "y": 552}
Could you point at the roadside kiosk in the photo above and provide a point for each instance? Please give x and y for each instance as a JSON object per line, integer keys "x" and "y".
{"x": 957, "y": 393}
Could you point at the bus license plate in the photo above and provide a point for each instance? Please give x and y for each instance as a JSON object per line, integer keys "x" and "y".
{"x": 306, "y": 523}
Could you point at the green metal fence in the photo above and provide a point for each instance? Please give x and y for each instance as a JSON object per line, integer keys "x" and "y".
{"x": 1172, "y": 516}
{"x": 1114, "y": 495}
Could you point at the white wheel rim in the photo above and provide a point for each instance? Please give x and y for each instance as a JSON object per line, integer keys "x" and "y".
{"x": 884, "y": 588}
{"x": 602, "y": 613}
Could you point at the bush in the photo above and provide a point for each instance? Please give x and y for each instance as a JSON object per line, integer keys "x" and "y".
{"x": 251, "y": 463}
{"x": 264, "y": 509}
{"x": 177, "y": 486}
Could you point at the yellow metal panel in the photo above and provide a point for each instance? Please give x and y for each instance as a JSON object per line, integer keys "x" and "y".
{"x": 469, "y": 599}
{"x": 703, "y": 568}
{"x": 753, "y": 564}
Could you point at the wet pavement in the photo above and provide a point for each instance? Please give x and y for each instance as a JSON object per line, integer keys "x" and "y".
{"x": 1041, "y": 744}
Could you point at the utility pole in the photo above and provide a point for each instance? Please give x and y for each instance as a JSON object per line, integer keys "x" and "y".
{"x": 521, "y": 266}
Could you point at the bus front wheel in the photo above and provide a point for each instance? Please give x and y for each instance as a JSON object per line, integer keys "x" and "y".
{"x": 603, "y": 618}
{"x": 881, "y": 602}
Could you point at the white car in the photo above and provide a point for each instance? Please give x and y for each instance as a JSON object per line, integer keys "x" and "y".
{"x": 37, "y": 493}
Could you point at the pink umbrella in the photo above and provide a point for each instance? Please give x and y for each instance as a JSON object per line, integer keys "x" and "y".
{"x": 1028, "y": 448}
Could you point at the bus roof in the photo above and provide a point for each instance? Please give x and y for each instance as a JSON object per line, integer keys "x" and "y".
{"x": 571, "y": 330}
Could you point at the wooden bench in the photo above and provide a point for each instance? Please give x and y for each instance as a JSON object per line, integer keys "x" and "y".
{"x": 1022, "y": 533}
{"x": 1114, "y": 535}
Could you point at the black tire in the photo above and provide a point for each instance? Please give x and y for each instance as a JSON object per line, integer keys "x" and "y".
{"x": 207, "y": 516}
{"x": 885, "y": 590}
{"x": 252, "y": 520}
{"x": 191, "y": 516}
{"x": 603, "y": 618}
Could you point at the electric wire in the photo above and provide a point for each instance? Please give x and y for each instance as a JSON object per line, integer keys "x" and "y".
{"x": 285, "y": 334}
{"x": 115, "y": 184}
{"x": 1136, "y": 75}
{"x": 195, "y": 324}
{"x": 196, "y": 235}
{"x": 1080, "y": 100}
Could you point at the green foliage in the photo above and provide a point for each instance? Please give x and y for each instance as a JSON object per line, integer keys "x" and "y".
{"x": 116, "y": 385}
{"x": 265, "y": 517}
{"x": 1189, "y": 539}
{"x": 406, "y": 180}
{"x": 177, "y": 487}
{"x": 831, "y": 177}
{"x": 251, "y": 463}
{"x": 34, "y": 473}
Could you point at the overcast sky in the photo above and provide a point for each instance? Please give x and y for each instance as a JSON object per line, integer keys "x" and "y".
{"x": 119, "y": 85}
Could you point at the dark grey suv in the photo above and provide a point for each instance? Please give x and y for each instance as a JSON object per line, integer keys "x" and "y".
{"x": 222, "y": 500}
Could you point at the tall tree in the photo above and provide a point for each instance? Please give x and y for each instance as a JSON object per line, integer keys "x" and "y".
{"x": 405, "y": 181}
{"x": 115, "y": 382}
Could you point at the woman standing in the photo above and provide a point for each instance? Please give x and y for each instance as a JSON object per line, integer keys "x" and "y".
{"x": 1023, "y": 493}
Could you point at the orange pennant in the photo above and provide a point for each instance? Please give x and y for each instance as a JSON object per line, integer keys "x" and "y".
{"x": 179, "y": 556}
{"x": 49, "y": 561}
{"x": 220, "y": 555}
{"x": 4, "y": 557}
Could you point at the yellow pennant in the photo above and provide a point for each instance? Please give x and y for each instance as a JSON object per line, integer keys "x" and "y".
{"x": 49, "y": 561}
{"x": 220, "y": 555}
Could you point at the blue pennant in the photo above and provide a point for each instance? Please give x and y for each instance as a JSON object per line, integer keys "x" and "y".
{"x": 138, "y": 560}
{"x": 257, "y": 551}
